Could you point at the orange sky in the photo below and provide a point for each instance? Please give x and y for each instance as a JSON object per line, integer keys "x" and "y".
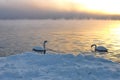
{"x": 92, "y": 6}
{"x": 59, "y": 8}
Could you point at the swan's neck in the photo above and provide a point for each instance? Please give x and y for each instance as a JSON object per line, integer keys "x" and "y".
{"x": 44, "y": 46}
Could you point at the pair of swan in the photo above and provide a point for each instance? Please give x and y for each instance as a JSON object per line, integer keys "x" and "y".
{"x": 43, "y": 49}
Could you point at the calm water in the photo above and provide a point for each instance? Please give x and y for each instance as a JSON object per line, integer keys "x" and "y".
{"x": 64, "y": 36}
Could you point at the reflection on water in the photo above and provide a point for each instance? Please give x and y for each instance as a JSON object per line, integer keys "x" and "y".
{"x": 65, "y": 36}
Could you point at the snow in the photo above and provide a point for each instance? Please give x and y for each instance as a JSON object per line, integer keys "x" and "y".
{"x": 33, "y": 66}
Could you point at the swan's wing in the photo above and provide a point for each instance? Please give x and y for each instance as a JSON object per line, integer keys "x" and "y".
{"x": 38, "y": 48}
{"x": 101, "y": 48}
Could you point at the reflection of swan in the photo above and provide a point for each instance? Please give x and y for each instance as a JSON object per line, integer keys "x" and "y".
{"x": 40, "y": 49}
{"x": 99, "y": 48}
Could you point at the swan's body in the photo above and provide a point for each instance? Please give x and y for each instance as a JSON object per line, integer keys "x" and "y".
{"x": 100, "y": 48}
{"x": 40, "y": 49}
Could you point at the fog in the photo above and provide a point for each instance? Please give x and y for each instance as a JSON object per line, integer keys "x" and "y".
{"x": 45, "y": 9}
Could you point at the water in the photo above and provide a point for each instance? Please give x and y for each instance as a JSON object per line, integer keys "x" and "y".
{"x": 64, "y": 36}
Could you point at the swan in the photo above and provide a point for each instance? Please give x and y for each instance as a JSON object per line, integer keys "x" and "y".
{"x": 99, "y": 48}
{"x": 40, "y": 49}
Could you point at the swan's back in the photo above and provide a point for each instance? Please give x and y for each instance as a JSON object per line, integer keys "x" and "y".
{"x": 101, "y": 49}
{"x": 38, "y": 48}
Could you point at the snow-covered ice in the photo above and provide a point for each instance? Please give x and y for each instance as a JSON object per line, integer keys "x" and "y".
{"x": 33, "y": 66}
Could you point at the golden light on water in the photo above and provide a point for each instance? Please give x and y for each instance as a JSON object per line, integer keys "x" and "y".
{"x": 114, "y": 28}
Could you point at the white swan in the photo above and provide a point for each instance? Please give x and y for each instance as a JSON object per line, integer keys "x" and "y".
{"x": 40, "y": 49}
{"x": 99, "y": 48}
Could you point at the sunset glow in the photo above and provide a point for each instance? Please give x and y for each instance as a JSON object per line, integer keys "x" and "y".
{"x": 92, "y": 6}
{"x": 103, "y": 6}
{"x": 94, "y": 9}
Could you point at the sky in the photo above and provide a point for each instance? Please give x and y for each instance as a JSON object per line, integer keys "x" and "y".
{"x": 59, "y": 9}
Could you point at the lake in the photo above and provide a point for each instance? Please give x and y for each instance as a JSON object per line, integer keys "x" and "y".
{"x": 63, "y": 36}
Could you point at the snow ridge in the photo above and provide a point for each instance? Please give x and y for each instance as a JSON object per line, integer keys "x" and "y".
{"x": 33, "y": 66}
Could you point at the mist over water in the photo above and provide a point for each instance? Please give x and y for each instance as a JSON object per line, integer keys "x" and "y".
{"x": 64, "y": 36}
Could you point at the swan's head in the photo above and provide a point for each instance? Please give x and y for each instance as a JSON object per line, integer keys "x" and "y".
{"x": 93, "y": 45}
{"x": 45, "y": 41}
